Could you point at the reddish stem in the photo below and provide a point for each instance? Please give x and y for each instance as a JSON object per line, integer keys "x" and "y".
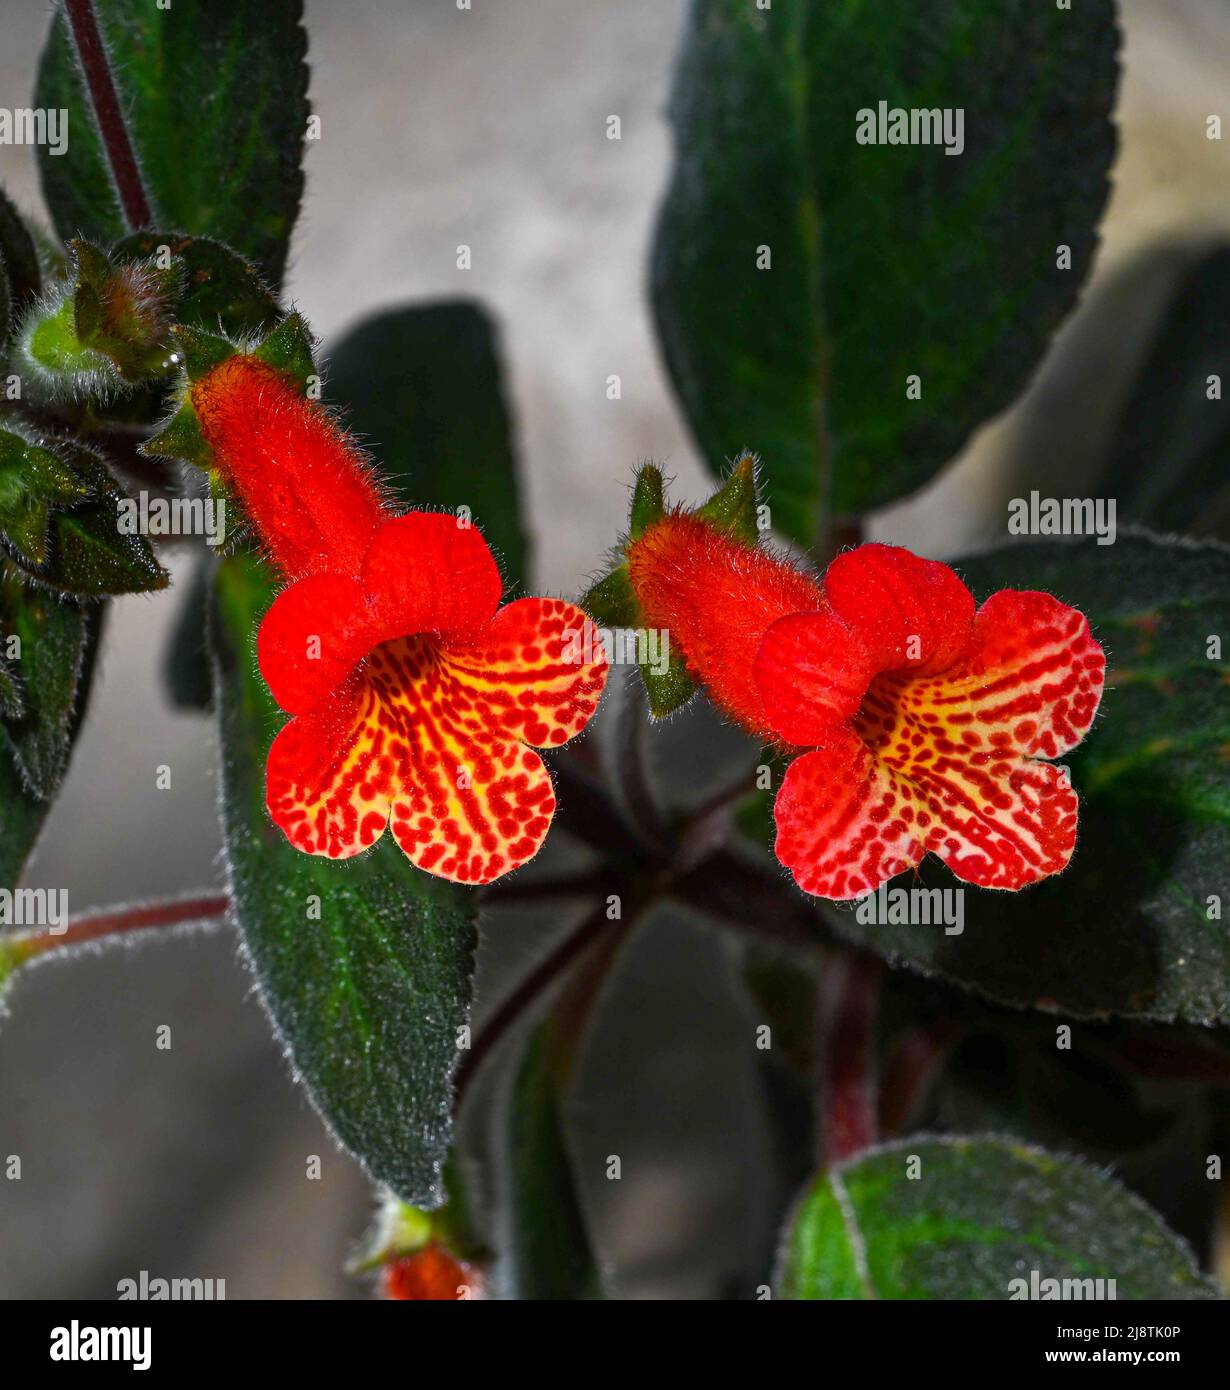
{"x": 96, "y": 69}
{"x": 99, "y": 925}
{"x": 849, "y": 995}
{"x": 911, "y": 1069}
{"x": 526, "y": 993}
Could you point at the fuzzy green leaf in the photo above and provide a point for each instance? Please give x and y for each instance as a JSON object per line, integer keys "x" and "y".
{"x": 215, "y": 94}
{"x": 976, "y": 1215}
{"x": 56, "y": 642}
{"x": 365, "y": 965}
{"x": 424, "y": 388}
{"x": 886, "y": 260}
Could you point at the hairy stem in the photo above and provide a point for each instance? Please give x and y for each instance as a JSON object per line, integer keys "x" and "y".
{"x": 97, "y": 926}
{"x": 100, "y": 81}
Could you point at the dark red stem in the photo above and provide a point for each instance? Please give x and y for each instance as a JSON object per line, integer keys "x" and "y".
{"x": 96, "y": 68}
{"x": 527, "y": 992}
{"x": 849, "y": 995}
{"x": 909, "y": 1072}
{"x": 95, "y": 926}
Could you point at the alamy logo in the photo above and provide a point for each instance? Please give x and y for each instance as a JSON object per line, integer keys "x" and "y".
{"x": 173, "y": 516}
{"x": 936, "y": 125}
{"x": 35, "y": 126}
{"x": 77, "y": 1343}
{"x": 623, "y": 646}
{"x": 1036, "y": 515}
{"x": 158, "y": 1290}
{"x": 35, "y": 907}
{"x": 1036, "y": 1287}
{"x": 923, "y": 907}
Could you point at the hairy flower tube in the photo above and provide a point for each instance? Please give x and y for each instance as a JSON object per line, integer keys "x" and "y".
{"x": 417, "y": 700}
{"x": 926, "y": 721}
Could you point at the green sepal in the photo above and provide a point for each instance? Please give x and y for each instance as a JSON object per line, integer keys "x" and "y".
{"x": 648, "y": 505}
{"x": 198, "y": 352}
{"x": 733, "y": 507}
{"x": 289, "y": 348}
{"x": 671, "y": 689}
{"x": 611, "y": 602}
{"x": 33, "y": 481}
{"x": 106, "y": 327}
{"x": 180, "y": 438}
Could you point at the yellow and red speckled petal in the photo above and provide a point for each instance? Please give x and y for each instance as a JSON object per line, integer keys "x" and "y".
{"x": 472, "y": 813}
{"x": 536, "y": 673}
{"x": 314, "y": 635}
{"x": 846, "y": 822}
{"x": 329, "y": 776}
{"x": 968, "y": 740}
{"x": 471, "y": 803}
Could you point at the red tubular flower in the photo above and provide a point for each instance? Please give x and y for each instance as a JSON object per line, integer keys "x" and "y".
{"x": 926, "y": 719}
{"x": 417, "y": 700}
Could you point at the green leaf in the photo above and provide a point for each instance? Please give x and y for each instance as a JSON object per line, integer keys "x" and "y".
{"x": 1127, "y": 928}
{"x": 1166, "y": 464}
{"x": 887, "y": 261}
{"x": 18, "y": 257}
{"x": 215, "y": 95}
{"x": 56, "y": 643}
{"x": 550, "y": 1256}
{"x": 21, "y": 819}
{"x": 367, "y": 996}
{"x": 53, "y": 665}
{"x": 424, "y": 388}
{"x": 980, "y": 1214}
{"x": 219, "y": 286}
{"x": 185, "y": 665}
{"x": 60, "y": 521}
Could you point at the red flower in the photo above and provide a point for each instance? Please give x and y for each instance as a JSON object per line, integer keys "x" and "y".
{"x": 926, "y": 720}
{"x": 418, "y": 701}
{"x": 431, "y": 1273}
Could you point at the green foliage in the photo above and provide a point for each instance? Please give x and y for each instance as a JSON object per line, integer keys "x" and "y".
{"x": 980, "y": 1213}
{"x": 365, "y": 966}
{"x": 887, "y": 260}
{"x": 424, "y": 389}
{"x": 60, "y": 519}
{"x": 215, "y": 95}
{"x": 47, "y": 650}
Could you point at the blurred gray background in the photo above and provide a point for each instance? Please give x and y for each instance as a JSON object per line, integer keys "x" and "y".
{"x": 486, "y": 127}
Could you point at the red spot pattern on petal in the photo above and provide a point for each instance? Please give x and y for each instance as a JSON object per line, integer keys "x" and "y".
{"x": 435, "y": 739}
{"x": 950, "y": 766}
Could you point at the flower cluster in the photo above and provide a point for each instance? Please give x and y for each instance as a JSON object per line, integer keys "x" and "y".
{"x": 417, "y": 700}
{"x": 920, "y": 724}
